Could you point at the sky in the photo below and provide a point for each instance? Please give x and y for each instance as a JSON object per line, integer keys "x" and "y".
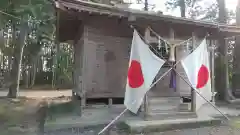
{"x": 160, "y": 5}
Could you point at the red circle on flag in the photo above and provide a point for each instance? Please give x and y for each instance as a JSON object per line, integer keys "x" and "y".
{"x": 203, "y": 76}
{"x": 135, "y": 76}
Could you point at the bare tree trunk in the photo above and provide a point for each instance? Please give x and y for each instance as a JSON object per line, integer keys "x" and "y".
{"x": 146, "y": 5}
{"x": 55, "y": 60}
{"x": 33, "y": 72}
{"x": 222, "y": 12}
{"x": 56, "y": 66}
{"x": 25, "y": 77}
{"x": 221, "y": 67}
{"x": 40, "y": 64}
{"x": 222, "y": 74}
{"x": 182, "y": 5}
{"x": 15, "y": 72}
{"x": 9, "y": 62}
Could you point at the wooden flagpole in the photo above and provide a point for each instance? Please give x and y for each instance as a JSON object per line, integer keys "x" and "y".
{"x": 125, "y": 110}
{"x": 116, "y": 118}
{"x": 194, "y": 90}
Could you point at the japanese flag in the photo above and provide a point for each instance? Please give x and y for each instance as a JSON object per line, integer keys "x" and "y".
{"x": 143, "y": 67}
{"x": 196, "y": 66}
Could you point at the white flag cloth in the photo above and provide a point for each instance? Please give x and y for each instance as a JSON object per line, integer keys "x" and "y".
{"x": 196, "y": 66}
{"x": 143, "y": 67}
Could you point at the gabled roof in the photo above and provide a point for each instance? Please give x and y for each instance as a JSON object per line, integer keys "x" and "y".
{"x": 126, "y": 12}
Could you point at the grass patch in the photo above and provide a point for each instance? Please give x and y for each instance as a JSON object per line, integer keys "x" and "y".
{"x": 21, "y": 116}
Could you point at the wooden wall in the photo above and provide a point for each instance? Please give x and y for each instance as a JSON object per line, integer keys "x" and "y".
{"x": 105, "y": 64}
{"x": 106, "y": 55}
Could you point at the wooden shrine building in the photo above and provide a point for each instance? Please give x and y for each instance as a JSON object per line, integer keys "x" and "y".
{"x": 102, "y": 34}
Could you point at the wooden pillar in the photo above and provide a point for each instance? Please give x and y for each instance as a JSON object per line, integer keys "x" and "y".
{"x": 110, "y": 102}
{"x": 221, "y": 69}
{"x": 193, "y": 93}
{"x": 172, "y": 34}
{"x": 227, "y": 86}
{"x": 212, "y": 56}
{"x": 78, "y": 90}
{"x": 146, "y": 103}
{"x": 172, "y": 57}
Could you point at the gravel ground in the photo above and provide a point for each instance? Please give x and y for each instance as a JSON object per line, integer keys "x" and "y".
{"x": 219, "y": 130}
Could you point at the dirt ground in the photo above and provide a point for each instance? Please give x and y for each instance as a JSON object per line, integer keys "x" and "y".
{"x": 39, "y": 93}
{"x": 19, "y": 116}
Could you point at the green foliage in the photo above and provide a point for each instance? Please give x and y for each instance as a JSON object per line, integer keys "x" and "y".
{"x": 172, "y": 4}
{"x": 63, "y": 67}
{"x": 40, "y": 15}
{"x": 196, "y": 11}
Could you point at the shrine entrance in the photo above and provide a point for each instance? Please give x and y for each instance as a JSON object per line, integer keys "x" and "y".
{"x": 171, "y": 92}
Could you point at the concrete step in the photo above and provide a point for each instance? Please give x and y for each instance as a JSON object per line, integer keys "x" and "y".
{"x": 170, "y": 115}
{"x": 164, "y": 104}
{"x": 141, "y": 126}
{"x": 164, "y": 100}
{"x": 183, "y": 107}
{"x": 163, "y": 108}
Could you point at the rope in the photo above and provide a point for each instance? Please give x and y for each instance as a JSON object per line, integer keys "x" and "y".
{"x": 190, "y": 84}
{"x": 231, "y": 37}
{"x": 172, "y": 68}
{"x": 178, "y": 44}
{"x": 125, "y": 110}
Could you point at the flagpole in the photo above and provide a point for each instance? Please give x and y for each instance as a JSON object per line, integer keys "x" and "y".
{"x": 191, "y": 85}
{"x": 182, "y": 77}
{"x": 202, "y": 96}
{"x": 116, "y": 118}
{"x": 125, "y": 110}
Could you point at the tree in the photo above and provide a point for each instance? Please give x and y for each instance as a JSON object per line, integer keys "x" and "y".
{"x": 182, "y": 4}
{"x": 236, "y": 55}
{"x": 222, "y": 74}
{"x": 192, "y": 9}
{"x": 216, "y": 12}
{"x": 23, "y": 14}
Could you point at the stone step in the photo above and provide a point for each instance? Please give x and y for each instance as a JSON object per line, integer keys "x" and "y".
{"x": 163, "y": 108}
{"x": 142, "y": 126}
{"x": 164, "y": 100}
{"x": 163, "y": 104}
{"x": 170, "y": 115}
{"x": 184, "y": 107}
